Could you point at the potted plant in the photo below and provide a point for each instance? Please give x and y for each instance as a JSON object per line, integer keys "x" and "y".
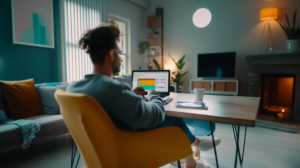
{"x": 178, "y": 74}
{"x": 143, "y": 46}
{"x": 157, "y": 64}
{"x": 292, "y": 33}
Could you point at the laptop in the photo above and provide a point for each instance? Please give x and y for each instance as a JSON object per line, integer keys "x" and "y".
{"x": 158, "y": 80}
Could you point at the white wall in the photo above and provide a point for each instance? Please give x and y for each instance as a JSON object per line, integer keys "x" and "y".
{"x": 135, "y": 13}
{"x": 235, "y": 26}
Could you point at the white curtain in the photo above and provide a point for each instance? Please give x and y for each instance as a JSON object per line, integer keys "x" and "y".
{"x": 78, "y": 16}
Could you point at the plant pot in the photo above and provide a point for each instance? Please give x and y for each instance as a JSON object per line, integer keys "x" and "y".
{"x": 293, "y": 46}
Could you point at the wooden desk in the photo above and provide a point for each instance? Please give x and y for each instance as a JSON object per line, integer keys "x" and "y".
{"x": 235, "y": 110}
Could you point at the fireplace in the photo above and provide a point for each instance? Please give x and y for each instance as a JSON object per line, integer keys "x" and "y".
{"x": 277, "y": 95}
{"x": 276, "y": 79}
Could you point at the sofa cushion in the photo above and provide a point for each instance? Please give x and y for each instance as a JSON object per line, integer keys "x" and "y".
{"x": 51, "y": 126}
{"x": 22, "y": 98}
{"x": 49, "y": 103}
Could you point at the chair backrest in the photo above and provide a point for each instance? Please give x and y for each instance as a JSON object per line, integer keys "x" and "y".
{"x": 173, "y": 88}
{"x": 91, "y": 128}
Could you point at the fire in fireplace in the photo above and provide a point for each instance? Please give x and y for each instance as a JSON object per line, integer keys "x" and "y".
{"x": 277, "y": 95}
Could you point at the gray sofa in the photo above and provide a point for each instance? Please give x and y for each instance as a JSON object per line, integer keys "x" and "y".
{"x": 51, "y": 126}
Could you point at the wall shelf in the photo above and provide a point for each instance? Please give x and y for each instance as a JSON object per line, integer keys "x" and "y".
{"x": 156, "y": 42}
{"x": 154, "y": 56}
{"x": 154, "y": 26}
{"x": 155, "y": 36}
{"x": 155, "y": 47}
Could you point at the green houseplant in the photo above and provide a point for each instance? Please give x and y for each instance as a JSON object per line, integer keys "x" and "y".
{"x": 178, "y": 75}
{"x": 292, "y": 32}
{"x": 157, "y": 64}
{"x": 143, "y": 46}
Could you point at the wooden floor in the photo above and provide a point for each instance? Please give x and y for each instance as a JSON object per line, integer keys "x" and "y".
{"x": 265, "y": 148}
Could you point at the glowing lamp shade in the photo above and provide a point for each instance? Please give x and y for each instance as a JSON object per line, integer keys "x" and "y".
{"x": 202, "y": 17}
{"x": 268, "y": 14}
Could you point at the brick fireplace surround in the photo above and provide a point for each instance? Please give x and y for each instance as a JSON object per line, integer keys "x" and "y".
{"x": 279, "y": 64}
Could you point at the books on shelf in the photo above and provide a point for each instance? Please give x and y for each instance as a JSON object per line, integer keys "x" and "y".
{"x": 194, "y": 105}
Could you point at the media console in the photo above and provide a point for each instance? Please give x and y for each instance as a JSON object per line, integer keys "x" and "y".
{"x": 218, "y": 87}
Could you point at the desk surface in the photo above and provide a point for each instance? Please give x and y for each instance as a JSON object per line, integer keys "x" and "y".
{"x": 237, "y": 110}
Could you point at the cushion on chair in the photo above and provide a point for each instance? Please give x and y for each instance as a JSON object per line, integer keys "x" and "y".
{"x": 49, "y": 103}
{"x": 192, "y": 130}
{"x": 22, "y": 98}
{"x": 201, "y": 127}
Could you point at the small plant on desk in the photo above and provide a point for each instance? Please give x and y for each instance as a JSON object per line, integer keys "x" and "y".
{"x": 179, "y": 74}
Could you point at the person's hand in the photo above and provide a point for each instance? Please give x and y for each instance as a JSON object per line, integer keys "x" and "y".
{"x": 139, "y": 91}
{"x": 152, "y": 91}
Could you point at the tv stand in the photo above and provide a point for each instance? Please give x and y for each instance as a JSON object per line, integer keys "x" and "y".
{"x": 218, "y": 87}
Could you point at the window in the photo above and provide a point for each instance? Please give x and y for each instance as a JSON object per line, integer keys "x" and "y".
{"x": 124, "y": 26}
{"x": 78, "y": 16}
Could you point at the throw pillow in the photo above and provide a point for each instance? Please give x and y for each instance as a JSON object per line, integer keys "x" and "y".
{"x": 49, "y": 103}
{"x": 22, "y": 98}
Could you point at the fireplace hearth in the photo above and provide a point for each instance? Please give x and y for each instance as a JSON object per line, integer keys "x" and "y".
{"x": 276, "y": 79}
{"x": 277, "y": 95}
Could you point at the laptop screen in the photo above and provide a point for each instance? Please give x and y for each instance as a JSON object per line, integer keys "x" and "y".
{"x": 152, "y": 80}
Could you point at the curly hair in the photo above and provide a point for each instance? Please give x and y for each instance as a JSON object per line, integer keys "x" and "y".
{"x": 97, "y": 42}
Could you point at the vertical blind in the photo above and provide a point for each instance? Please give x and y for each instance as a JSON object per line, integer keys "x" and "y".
{"x": 78, "y": 16}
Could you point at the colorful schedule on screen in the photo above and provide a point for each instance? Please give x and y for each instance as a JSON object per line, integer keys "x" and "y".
{"x": 157, "y": 81}
{"x": 147, "y": 84}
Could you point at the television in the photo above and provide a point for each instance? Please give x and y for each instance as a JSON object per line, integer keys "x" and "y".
{"x": 217, "y": 65}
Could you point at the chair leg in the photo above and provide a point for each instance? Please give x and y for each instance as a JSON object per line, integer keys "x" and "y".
{"x": 178, "y": 164}
{"x": 73, "y": 155}
{"x": 213, "y": 139}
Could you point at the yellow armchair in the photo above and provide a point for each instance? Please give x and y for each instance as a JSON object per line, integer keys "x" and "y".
{"x": 102, "y": 145}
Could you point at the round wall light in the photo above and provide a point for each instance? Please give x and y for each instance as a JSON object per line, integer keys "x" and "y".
{"x": 202, "y": 17}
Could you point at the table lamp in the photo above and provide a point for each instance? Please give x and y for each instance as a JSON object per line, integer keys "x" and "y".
{"x": 268, "y": 14}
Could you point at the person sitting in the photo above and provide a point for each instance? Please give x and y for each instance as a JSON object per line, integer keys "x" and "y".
{"x": 126, "y": 108}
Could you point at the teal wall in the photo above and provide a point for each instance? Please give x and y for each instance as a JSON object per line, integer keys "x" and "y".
{"x": 18, "y": 62}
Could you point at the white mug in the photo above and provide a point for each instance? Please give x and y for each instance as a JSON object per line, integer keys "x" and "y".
{"x": 199, "y": 93}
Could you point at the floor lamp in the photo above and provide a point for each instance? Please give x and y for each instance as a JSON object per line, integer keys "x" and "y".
{"x": 267, "y": 14}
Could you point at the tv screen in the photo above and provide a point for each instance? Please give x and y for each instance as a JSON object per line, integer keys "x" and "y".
{"x": 217, "y": 65}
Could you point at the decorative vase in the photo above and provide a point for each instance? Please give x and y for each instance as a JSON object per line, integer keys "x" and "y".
{"x": 293, "y": 46}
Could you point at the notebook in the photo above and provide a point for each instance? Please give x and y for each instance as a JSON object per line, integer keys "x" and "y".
{"x": 194, "y": 105}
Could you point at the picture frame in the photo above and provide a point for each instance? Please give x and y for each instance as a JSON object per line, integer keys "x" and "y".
{"x": 32, "y": 23}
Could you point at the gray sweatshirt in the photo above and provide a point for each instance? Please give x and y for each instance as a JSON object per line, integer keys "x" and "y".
{"x": 126, "y": 109}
